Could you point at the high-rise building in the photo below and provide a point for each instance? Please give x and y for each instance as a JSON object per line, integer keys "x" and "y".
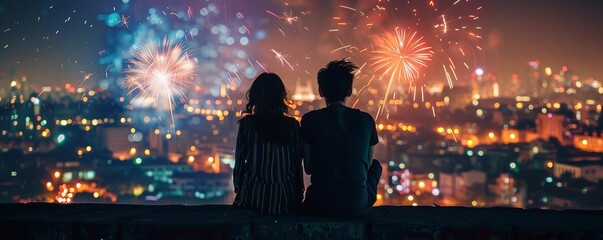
{"x": 550, "y": 125}
{"x": 303, "y": 93}
{"x": 507, "y": 192}
{"x": 25, "y": 88}
{"x": 462, "y": 186}
{"x": 532, "y": 84}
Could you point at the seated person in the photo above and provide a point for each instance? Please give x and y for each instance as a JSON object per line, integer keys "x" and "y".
{"x": 338, "y": 149}
{"x": 267, "y": 175}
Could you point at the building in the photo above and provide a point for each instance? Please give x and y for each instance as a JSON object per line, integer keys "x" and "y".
{"x": 202, "y": 185}
{"x": 463, "y": 186}
{"x": 508, "y": 136}
{"x": 126, "y": 142}
{"x": 550, "y": 126}
{"x": 589, "y": 143}
{"x": 589, "y": 170}
{"x": 506, "y": 192}
{"x": 303, "y": 93}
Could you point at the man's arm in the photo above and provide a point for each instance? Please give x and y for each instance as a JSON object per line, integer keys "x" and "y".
{"x": 307, "y": 164}
{"x": 373, "y": 141}
{"x": 306, "y": 137}
{"x": 371, "y": 152}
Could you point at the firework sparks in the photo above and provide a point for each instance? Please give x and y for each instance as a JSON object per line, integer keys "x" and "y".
{"x": 124, "y": 21}
{"x": 400, "y": 56}
{"x": 261, "y": 66}
{"x": 287, "y": 17}
{"x": 430, "y": 34}
{"x": 444, "y": 25}
{"x": 189, "y": 11}
{"x": 159, "y": 74}
{"x": 279, "y": 56}
{"x": 85, "y": 77}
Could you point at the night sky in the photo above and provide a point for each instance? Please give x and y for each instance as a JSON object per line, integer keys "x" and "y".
{"x": 557, "y": 32}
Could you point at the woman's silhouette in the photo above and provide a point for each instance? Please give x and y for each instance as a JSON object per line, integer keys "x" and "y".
{"x": 268, "y": 172}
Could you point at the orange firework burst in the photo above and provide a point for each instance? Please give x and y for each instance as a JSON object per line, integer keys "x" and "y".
{"x": 160, "y": 72}
{"x": 400, "y": 56}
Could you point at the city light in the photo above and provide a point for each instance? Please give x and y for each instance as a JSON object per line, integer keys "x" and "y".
{"x": 512, "y": 165}
{"x": 435, "y": 192}
{"x": 479, "y": 71}
{"x": 60, "y": 138}
{"x": 144, "y": 105}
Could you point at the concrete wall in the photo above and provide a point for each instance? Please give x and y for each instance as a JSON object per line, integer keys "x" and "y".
{"x": 97, "y": 221}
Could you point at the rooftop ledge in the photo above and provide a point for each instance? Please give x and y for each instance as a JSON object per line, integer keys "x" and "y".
{"x": 109, "y": 221}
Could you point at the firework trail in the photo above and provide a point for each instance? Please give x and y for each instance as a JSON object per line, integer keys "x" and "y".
{"x": 400, "y": 56}
{"x": 217, "y": 34}
{"x": 433, "y": 42}
{"x": 85, "y": 77}
{"x": 279, "y": 56}
{"x": 287, "y": 17}
{"x": 125, "y": 21}
{"x": 160, "y": 73}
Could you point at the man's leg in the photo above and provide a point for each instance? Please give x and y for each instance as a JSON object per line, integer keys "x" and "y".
{"x": 372, "y": 181}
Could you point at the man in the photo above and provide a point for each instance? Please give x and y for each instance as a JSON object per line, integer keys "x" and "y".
{"x": 338, "y": 148}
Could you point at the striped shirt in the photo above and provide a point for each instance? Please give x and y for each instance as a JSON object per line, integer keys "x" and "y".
{"x": 268, "y": 175}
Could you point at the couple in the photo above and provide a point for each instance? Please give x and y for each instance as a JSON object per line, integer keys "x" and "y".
{"x": 336, "y": 144}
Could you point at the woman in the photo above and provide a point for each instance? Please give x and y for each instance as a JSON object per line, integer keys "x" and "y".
{"x": 267, "y": 175}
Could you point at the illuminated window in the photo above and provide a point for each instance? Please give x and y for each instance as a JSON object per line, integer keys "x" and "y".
{"x": 512, "y": 136}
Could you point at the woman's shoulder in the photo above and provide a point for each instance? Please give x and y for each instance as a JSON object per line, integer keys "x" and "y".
{"x": 246, "y": 119}
{"x": 291, "y": 120}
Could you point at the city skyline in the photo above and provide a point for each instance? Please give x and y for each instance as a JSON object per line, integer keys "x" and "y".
{"x": 476, "y": 103}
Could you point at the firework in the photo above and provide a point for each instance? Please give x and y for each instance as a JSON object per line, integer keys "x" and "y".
{"x": 279, "y": 56}
{"x": 400, "y": 56}
{"x": 218, "y": 36}
{"x": 85, "y": 77}
{"x": 287, "y": 17}
{"x": 124, "y": 21}
{"x": 429, "y": 36}
{"x": 160, "y": 73}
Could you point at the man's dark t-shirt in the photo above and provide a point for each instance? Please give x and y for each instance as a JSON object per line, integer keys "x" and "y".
{"x": 339, "y": 139}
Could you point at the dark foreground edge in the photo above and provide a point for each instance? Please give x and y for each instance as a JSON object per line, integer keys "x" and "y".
{"x": 106, "y": 221}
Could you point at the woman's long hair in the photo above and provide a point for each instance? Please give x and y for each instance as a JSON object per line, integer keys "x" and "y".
{"x": 268, "y": 103}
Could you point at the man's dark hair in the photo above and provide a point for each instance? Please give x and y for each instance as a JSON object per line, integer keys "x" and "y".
{"x": 335, "y": 80}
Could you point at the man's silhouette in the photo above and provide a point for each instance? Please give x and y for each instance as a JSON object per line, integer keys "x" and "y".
{"x": 338, "y": 149}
